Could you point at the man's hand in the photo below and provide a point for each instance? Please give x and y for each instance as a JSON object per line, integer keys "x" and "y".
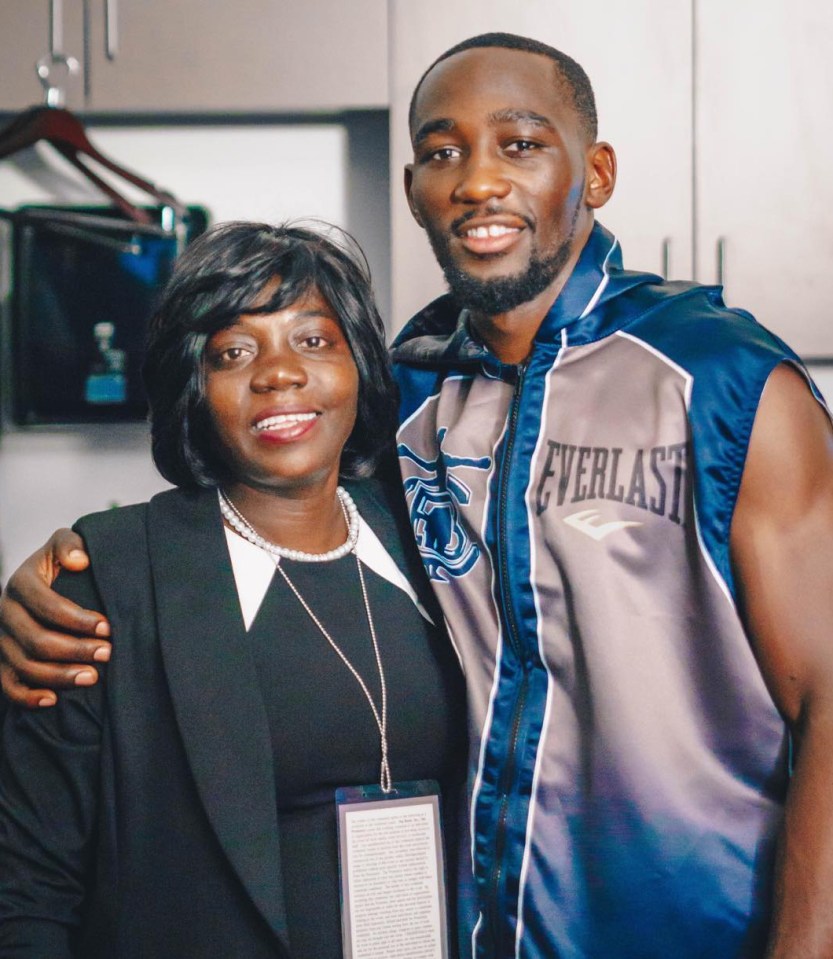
{"x": 46, "y": 640}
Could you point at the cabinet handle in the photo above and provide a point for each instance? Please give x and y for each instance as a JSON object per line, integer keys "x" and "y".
{"x": 87, "y": 49}
{"x": 55, "y": 69}
{"x": 111, "y": 29}
{"x": 721, "y": 261}
{"x": 56, "y": 27}
{"x": 666, "y": 257}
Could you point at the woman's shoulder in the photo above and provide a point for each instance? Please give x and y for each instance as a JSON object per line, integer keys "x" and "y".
{"x": 125, "y": 528}
{"x": 123, "y": 542}
{"x": 120, "y": 520}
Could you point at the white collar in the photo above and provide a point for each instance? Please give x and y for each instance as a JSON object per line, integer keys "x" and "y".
{"x": 253, "y": 569}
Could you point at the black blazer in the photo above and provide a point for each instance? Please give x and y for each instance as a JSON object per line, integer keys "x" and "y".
{"x": 188, "y": 866}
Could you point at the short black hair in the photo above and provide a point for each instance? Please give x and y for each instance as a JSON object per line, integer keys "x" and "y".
{"x": 222, "y": 275}
{"x": 568, "y": 71}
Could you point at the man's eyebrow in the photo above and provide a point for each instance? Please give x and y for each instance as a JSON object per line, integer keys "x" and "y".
{"x": 440, "y": 125}
{"x": 507, "y": 115}
{"x": 513, "y": 115}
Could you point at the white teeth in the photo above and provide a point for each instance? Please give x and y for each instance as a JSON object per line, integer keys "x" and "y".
{"x": 494, "y": 229}
{"x": 284, "y": 419}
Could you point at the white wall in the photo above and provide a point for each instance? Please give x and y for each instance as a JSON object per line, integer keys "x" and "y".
{"x": 823, "y": 376}
{"x": 49, "y": 478}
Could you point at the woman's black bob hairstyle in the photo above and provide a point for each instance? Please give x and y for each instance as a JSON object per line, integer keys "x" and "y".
{"x": 221, "y": 276}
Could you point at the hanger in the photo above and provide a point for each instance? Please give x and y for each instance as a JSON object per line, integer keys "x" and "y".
{"x": 66, "y": 133}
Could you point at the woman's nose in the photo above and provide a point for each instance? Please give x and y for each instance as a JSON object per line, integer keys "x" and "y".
{"x": 278, "y": 371}
{"x": 482, "y": 178}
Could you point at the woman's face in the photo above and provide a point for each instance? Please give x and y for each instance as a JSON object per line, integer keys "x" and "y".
{"x": 282, "y": 390}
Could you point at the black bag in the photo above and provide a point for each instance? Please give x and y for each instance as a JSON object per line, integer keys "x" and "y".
{"x": 84, "y": 282}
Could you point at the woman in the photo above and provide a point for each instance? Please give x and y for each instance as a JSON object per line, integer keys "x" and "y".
{"x": 184, "y": 805}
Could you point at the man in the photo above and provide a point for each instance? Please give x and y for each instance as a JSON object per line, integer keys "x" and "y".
{"x": 623, "y": 494}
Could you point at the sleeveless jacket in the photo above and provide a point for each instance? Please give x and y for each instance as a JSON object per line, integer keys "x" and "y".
{"x": 628, "y": 766}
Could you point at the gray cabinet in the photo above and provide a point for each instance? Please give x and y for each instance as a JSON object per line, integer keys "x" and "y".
{"x": 242, "y": 56}
{"x": 204, "y": 56}
{"x": 720, "y": 116}
{"x": 764, "y": 138}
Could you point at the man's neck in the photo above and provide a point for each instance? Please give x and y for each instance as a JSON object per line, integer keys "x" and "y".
{"x": 510, "y": 335}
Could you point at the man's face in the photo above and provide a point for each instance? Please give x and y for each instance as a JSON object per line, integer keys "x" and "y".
{"x": 499, "y": 174}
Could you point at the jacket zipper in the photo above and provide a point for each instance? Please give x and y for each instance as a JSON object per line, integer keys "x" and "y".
{"x": 508, "y": 772}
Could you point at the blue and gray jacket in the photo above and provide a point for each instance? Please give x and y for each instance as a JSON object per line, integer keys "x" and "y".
{"x": 628, "y": 765}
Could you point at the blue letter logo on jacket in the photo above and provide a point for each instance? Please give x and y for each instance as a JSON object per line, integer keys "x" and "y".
{"x": 447, "y": 549}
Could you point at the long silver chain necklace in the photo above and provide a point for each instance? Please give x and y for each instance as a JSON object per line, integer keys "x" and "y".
{"x": 241, "y": 525}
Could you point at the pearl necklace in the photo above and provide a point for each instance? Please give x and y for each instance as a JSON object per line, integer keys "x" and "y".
{"x": 241, "y": 525}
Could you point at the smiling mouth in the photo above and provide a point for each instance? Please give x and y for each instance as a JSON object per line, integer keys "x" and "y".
{"x": 283, "y": 421}
{"x": 489, "y": 239}
{"x": 494, "y": 229}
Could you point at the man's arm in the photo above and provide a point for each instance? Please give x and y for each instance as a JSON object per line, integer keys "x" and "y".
{"x": 782, "y": 551}
{"x": 46, "y": 640}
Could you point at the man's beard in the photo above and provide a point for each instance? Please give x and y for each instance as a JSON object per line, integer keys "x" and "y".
{"x": 503, "y": 293}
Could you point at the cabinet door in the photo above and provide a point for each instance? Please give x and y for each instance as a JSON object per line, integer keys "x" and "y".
{"x": 247, "y": 55}
{"x": 638, "y": 58}
{"x": 764, "y": 188}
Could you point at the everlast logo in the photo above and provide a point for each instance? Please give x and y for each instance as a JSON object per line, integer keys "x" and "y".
{"x": 650, "y": 479}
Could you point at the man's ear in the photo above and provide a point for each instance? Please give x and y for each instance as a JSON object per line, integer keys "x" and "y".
{"x": 601, "y": 175}
{"x": 409, "y": 179}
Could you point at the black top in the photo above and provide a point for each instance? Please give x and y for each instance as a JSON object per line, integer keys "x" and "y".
{"x": 323, "y": 729}
{"x": 156, "y": 813}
